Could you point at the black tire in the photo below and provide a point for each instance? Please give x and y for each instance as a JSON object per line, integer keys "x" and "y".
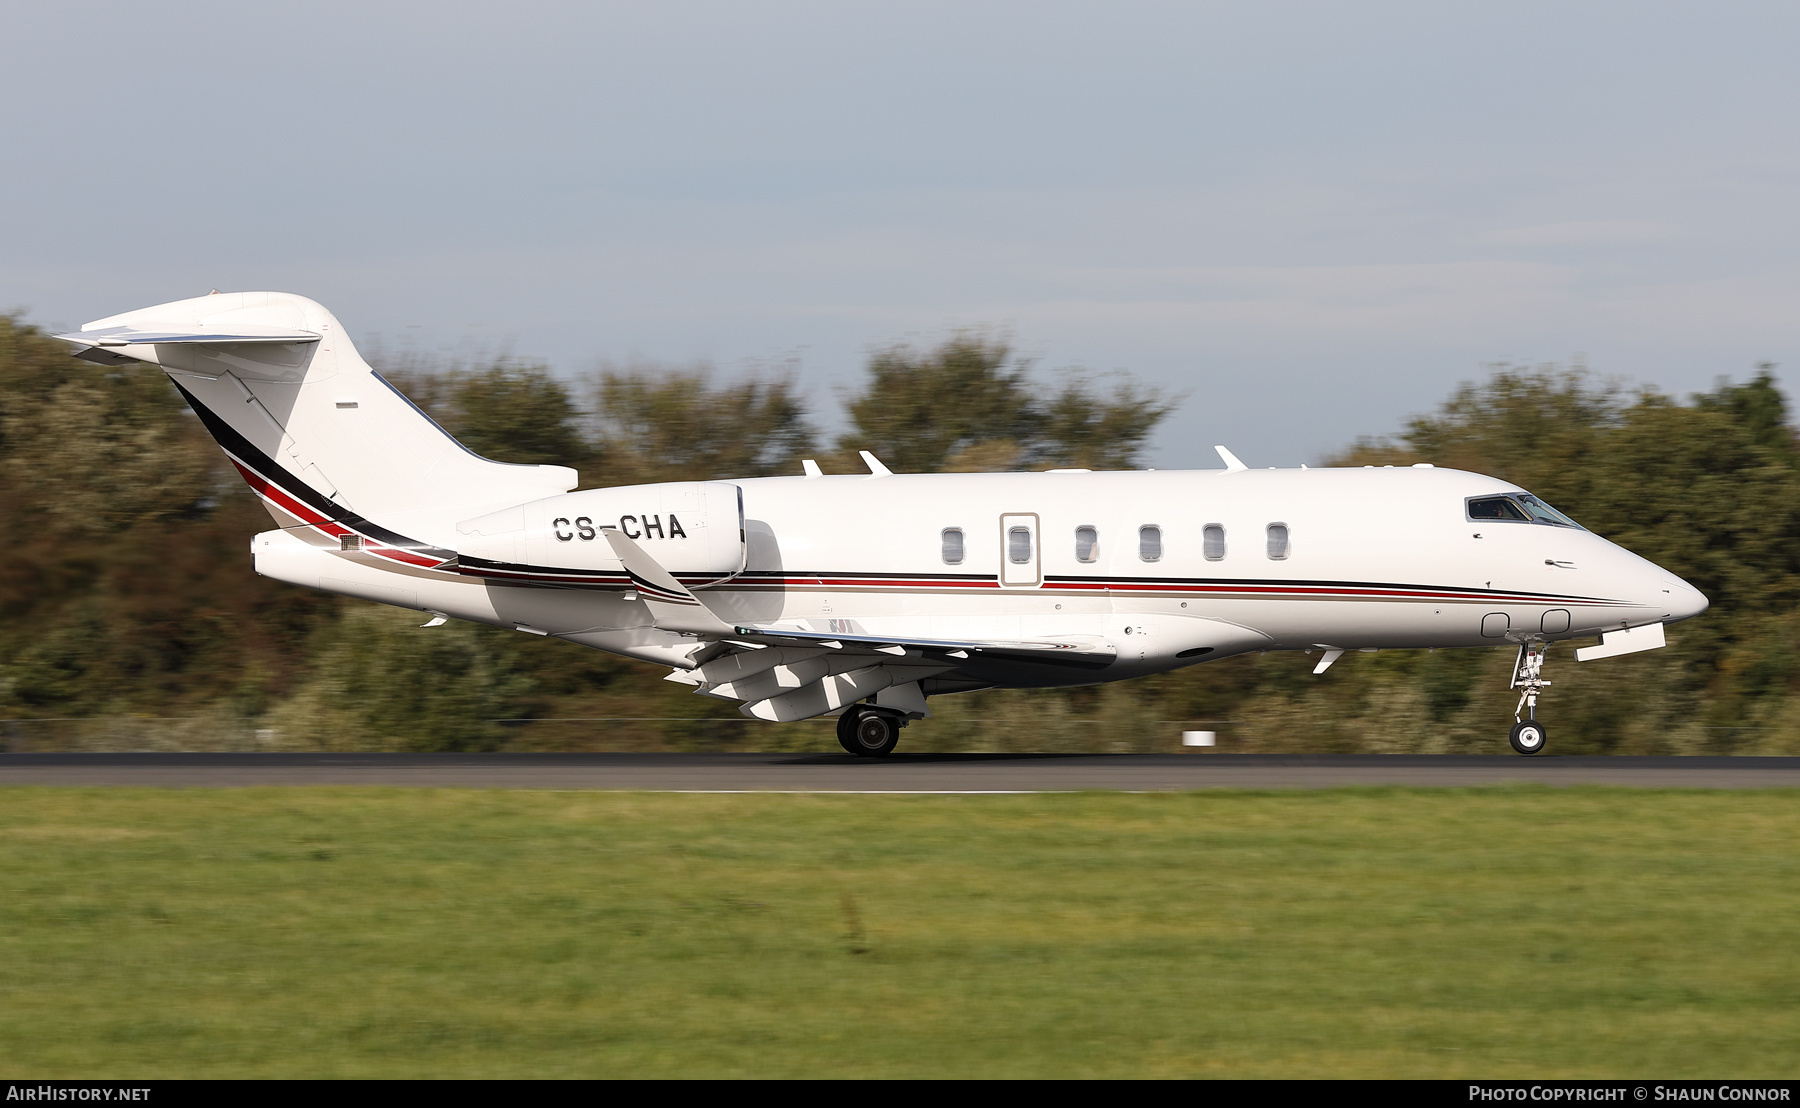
{"x": 846, "y": 728}
{"x": 1528, "y": 737}
{"x": 875, "y": 734}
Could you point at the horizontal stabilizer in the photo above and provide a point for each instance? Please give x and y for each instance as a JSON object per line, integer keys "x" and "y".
{"x": 127, "y": 336}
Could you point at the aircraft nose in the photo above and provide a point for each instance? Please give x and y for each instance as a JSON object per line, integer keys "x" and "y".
{"x": 1684, "y": 601}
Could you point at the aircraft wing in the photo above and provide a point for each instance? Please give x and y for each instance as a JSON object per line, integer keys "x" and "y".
{"x": 1046, "y": 652}
{"x": 788, "y": 673}
{"x": 785, "y": 673}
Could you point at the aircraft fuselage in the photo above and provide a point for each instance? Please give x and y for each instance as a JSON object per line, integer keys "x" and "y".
{"x": 1364, "y": 559}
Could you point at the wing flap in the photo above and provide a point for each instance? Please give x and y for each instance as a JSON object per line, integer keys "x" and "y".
{"x": 837, "y": 691}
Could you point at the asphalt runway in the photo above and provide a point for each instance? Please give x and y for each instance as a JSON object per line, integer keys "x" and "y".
{"x": 902, "y": 773}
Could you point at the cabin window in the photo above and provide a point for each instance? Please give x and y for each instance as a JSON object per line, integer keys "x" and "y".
{"x": 953, "y": 546}
{"x": 1150, "y": 543}
{"x": 1087, "y": 544}
{"x": 1278, "y": 541}
{"x": 1212, "y": 542}
{"x": 1018, "y": 546}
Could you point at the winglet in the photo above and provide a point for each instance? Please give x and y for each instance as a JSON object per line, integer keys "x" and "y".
{"x": 1232, "y": 465}
{"x": 671, "y": 605}
{"x": 874, "y": 464}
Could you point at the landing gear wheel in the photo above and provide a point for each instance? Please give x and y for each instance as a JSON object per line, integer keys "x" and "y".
{"x": 1527, "y": 737}
{"x": 874, "y": 734}
{"x": 846, "y": 729}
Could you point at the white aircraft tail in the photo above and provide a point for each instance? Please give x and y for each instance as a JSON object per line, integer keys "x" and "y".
{"x": 320, "y": 436}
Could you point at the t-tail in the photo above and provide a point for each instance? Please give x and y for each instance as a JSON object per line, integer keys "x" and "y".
{"x": 330, "y": 446}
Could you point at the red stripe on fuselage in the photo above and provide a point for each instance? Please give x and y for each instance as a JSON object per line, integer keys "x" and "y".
{"x": 1340, "y": 590}
{"x": 276, "y": 495}
{"x": 618, "y": 581}
{"x": 1194, "y": 588}
{"x": 397, "y": 555}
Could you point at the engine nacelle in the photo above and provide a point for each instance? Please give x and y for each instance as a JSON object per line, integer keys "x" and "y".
{"x": 694, "y": 529}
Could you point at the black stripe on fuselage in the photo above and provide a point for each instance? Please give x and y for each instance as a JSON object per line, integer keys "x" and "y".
{"x": 273, "y": 472}
{"x": 814, "y": 580}
{"x": 1278, "y": 582}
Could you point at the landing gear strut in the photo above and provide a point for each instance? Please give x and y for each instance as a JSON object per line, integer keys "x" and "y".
{"x": 1528, "y": 734}
{"x": 867, "y": 732}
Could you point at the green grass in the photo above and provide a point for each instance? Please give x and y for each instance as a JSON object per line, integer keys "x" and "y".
{"x": 1390, "y": 932}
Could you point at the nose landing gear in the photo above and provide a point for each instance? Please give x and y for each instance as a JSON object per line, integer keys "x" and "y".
{"x": 1528, "y": 734}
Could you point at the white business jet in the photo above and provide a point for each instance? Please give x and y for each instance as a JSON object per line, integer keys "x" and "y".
{"x": 863, "y": 595}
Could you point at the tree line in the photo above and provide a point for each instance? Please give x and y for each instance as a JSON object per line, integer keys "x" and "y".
{"x": 128, "y": 607}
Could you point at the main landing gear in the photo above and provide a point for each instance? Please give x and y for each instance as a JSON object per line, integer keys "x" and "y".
{"x": 1528, "y": 734}
{"x": 869, "y": 732}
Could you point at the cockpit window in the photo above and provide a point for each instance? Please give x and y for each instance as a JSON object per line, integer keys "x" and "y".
{"x": 1543, "y": 512}
{"x": 1497, "y": 507}
{"x": 1520, "y": 507}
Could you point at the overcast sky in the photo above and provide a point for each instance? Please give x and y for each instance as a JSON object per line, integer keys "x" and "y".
{"x": 1314, "y": 218}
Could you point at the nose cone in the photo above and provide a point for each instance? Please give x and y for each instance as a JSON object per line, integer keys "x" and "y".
{"x": 1682, "y": 600}
{"x": 1647, "y": 586}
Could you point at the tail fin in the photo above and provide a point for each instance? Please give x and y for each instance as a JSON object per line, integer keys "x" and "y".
{"x": 316, "y": 432}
